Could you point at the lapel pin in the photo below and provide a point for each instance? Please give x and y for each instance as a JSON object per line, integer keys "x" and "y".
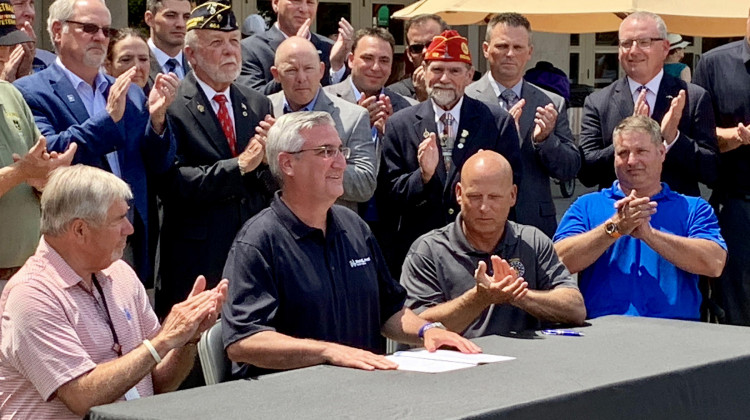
{"x": 464, "y": 134}
{"x": 460, "y": 145}
{"x": 244, "y": 113}
{"x": 71, "y": 98}
{"x": 201, "y": 108}
{"x": 243, "y": 106}
{"x": 426, "y": 134}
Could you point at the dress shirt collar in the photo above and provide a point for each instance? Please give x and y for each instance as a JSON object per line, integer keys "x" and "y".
{"x": 100, "y": 81}
{"x": 162, "y": 57}
{"x": 617, "y": 193}
{"x": 455, "y": 112}
{"x": 308, "y": 107}
{"x": 498, "y": 88}
{"x": 652, "y": 85}
{"x": 357, "y": 93}
{"x": 210, "y": 92}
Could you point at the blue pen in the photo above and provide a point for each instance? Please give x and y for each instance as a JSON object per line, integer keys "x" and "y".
{"x": 569, "y": 333}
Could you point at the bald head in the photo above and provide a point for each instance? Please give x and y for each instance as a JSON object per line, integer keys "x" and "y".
{"x": 298, "y": 48}
{"x": 488, "y": 165}
{"x": 486, "y": 193}
{"x": 297, "y": 67}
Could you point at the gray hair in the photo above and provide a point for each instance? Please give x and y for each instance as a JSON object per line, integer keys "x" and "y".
{"x": 641, "y": 124}
{"x": 60, "y": 11}
{"x": 191, "y": 39}
{"x": 284, "y": 135}
{"x": 79, "y": 192}
{"x": 661, "y": 27}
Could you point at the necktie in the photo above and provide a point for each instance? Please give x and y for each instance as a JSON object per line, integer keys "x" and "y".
{"x": 226, "y": 123}
{"x": 171, "y": 65}
{"x": 638, "y": 93}
{"x": 447, "y": 138}
{"x": 509, "y": 98}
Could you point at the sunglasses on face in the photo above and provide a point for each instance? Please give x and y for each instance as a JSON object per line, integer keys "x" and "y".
{"x": 417, "y": 48}
{"x": 91, "y": 28}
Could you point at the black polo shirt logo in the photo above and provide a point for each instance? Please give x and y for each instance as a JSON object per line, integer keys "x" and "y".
{"x": 359, "y": 262}
{"x": 518, "y": 266}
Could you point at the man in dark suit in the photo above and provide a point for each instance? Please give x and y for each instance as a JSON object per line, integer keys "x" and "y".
{"x": 166, "y": 20}
{"x": 219, "y": 180}
{"x": 292, "y": 18}
{"x": 115, "y": 126}
{"x": 547, "y": 147}
{"x": 421, "y": 171}
{"x": 298, "y": 69}
{"x": 684, "y": 110}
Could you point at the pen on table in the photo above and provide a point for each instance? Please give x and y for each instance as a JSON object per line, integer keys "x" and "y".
{"x": 570, "y": 333}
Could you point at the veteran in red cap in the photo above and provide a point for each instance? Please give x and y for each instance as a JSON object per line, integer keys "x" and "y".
{"x": 426, "y": 145}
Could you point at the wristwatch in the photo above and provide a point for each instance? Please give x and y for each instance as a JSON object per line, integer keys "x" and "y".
{"x": 611, "y": 228}
{"x": 428, "y": 326}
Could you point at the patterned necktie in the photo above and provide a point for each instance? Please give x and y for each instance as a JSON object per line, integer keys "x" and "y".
{"x": 226, "y": 123}
{"x": 638, "y": 93}
{"x": 171, "y": 65}
{"x": 447, "y": 138}
{"x": 509, "y": 98}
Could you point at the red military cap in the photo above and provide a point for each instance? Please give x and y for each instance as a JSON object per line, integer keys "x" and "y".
{"x": 449, "y": 46}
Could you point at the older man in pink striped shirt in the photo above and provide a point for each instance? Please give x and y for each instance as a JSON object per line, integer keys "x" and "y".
{"x": 77, "y": 329}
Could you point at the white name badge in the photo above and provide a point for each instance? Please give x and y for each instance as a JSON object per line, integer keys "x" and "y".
{"x": 132, "y": 394}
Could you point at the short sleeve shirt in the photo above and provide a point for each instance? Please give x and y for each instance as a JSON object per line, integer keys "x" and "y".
{"x": 291, "y": 278}
{"x": 630, "y": 278}
{"x": 440, "y": 267}
{"x": 54, "y": 330}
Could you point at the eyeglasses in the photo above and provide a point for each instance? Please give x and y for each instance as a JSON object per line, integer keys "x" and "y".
{"x": 417, "y": 48}
{"x": 327, "y": 152}
{"x": 91, "y": 28}
{"x": 643, "y": 43}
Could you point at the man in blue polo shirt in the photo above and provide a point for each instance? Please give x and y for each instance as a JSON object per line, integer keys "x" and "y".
{"x": 309, "y": 283}
{"x": 634, "y": 260}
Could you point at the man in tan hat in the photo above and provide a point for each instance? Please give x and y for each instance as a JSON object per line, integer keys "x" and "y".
{"x": 426, "y": 145}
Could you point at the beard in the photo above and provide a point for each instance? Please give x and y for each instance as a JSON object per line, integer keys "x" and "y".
{"x": 94, "y": 57}
{"x": 220, "y": 75}
{"x": 442, "y": 95}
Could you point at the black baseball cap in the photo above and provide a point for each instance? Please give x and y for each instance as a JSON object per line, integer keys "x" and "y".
{"x": 9, "y": 35}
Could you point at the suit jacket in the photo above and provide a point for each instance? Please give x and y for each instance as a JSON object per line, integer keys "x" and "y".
{"x": 557, "y": 156}
{"x": 344, "y": 91}
{"x": 206, "y": 199}
{"x": 693, "y": 157}
{"x": 258, "y": 52}
{"x": 62, "y": 118}
{"x": 353, "y": 126}
{"x": 405, "y": 88}
{"x": 421, "y": 207}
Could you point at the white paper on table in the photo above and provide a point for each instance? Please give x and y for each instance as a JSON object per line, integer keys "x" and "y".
{"x": 441, "y": 360}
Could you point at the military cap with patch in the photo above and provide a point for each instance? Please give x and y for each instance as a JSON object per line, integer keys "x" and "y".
{"x": 213, "y": 15}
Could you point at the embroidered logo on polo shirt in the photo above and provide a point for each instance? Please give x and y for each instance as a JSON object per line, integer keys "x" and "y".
{"x": 518, "y": 266}
{"x": 359, "y": 262}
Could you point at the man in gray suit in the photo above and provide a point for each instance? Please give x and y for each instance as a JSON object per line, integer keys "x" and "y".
{"x": 298, "y": 69}
{"x": 370, "y": 64}
{"x": 547, "y": 147}
{"x": 167, "y": 21}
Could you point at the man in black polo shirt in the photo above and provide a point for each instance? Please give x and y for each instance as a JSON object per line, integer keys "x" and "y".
{"x": 309, "y": 284}
{"x": 724, "y": 73}
{"x": 528, "y": 281}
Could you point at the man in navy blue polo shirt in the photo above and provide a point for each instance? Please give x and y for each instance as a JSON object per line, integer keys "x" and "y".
{"x": 308, "y": 281}
{"x": 634, "y": 260}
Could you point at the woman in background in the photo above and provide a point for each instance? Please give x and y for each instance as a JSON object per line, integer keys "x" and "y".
{"x": 672, "y": 65}
{"x": 127, "y": 49}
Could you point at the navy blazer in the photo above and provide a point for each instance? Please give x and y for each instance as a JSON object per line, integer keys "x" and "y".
{"x": 419, "y": 207}
{"x": 62, "y": 118}
{"x": 258, "y": 52}
{"x": 206, "y": 199}
{"x": 693, "y": 158}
